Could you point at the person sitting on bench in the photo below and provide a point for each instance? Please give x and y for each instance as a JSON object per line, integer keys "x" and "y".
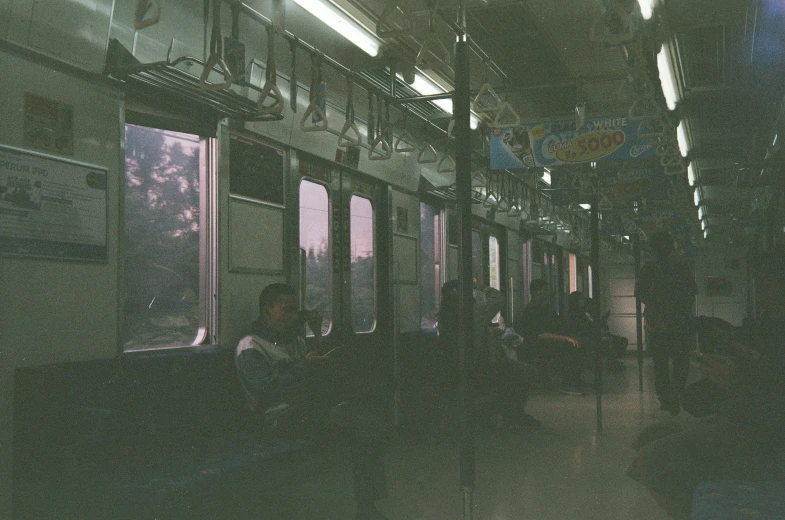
{"x": 298, "y": 393}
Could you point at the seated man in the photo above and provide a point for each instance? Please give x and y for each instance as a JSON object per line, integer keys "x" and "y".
{"x": 543, "y": 332}
{"x": 289, "y": 386}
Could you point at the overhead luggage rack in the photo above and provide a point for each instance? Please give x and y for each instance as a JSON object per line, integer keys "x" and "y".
{"x": 168, "y": 77}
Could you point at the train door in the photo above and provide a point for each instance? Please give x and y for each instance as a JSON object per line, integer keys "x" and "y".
{"x": 488, "y": 260}
{"x": 342, "y": 269}
{"x": 546, "y": 264}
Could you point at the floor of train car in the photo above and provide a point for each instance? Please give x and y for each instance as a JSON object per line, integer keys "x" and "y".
{"x": 564, "y": 470}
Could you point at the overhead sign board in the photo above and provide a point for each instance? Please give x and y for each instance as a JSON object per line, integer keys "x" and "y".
{"x": 560, "y": 143}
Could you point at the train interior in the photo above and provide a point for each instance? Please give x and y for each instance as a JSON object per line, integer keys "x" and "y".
{"x": 345, "y": 147}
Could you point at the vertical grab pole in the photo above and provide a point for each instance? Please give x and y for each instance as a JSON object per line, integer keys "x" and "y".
{"x": 301, "y": 282}
{"x": 463, "y": 158}
{"x": 595, "y": 275}
{"x": 636, "y": 251}
{"x": 396, "y": 344}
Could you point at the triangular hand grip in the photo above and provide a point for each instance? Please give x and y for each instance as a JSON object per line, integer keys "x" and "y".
{"x": 446, "y": 165}
{"x": 507, "y": 117}
{"x": 345, "y": 139}
{"x": 381, "y": 147}
{"x": 651, "y": 128}
{"x": 642, "y": 108}
{"x": 486, "y": 100}
{"x": 216, "y": 59}
{"x": 313, "y": 108}
{"x": 271, "y": 90}
{"x": 433, "y": 53}
{"x": 142, "y": 8}
{"x": 427, "y": 155}
{"x": 674, "y": 169}
{"x": 671, "y": 159}
{"x": 403, "y": 138}
{"x": 386, "y": 24}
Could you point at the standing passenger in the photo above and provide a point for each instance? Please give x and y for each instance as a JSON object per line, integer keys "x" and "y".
{"x": 286, "y": 383}
{"x": 667, "y": 290}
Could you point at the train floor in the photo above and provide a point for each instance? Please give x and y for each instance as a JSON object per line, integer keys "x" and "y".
{"x": 563, "y": 470}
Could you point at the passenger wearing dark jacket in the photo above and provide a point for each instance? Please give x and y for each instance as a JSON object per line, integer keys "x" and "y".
{"x": 545, "y": 337}
{"x": 740, "y": 437}
{"x": 289, "y": 386}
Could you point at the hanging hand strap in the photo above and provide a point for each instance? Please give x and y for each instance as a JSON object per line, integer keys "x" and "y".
{"x": 274, "y": 110}
{"x": 380, "y": 145}
{"x": 293, "y": 75}
{"x": 404, "y": 137}
{"x": 142, "y": 9}
{"x": 314, "y": 108}
{"x": 428, "y": 154}
{"x": 486, "y": 101}
{"x": 371, "y": 119}
{"x": 384, "y": 25}
{"x": 216, "y": 55}
{"x": 433, "y": 52}
{"x": 345, "y": 139}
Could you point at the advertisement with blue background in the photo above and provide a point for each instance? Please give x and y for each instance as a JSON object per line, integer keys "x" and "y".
{"x": 559, "y": 143}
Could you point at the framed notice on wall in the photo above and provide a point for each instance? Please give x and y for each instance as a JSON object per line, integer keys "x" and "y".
{"x": 51, "y": 207}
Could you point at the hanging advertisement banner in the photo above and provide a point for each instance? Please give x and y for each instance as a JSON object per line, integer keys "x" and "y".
{"x": 511, "y": 149}
{"x": 559, "y": 143}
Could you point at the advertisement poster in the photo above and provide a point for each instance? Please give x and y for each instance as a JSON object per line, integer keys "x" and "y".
{"x": 51, "y": 207}
{"x": 559, "y": 143}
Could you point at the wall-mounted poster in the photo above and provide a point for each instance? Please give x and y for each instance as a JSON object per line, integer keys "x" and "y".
{"x": 559, "y": 143}
{"x": 51, "y": 207}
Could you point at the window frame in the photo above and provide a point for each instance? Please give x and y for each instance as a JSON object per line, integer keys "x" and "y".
{"x": 330, "y": 248}
{"x": 358, "y": 194}
{"x": 206, "y": 333}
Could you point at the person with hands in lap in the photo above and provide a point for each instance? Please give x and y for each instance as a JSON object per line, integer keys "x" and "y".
{"x": 296, "y": 391}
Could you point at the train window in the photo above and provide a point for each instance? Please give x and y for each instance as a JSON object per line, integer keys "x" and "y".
{"x": 430, "y": 265}
{"x": 363, "y": 265}
{"x": 493, "y": 263}
{"x": 315, "y": 242}
{"x": 478, "y": 274}
{"x": 165, "y": 239}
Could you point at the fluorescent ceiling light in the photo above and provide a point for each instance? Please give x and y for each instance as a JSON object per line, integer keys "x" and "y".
{"x": 701, "y": 212}
{"x": 585, "y": 206}
{"x": 697, "y": 197}
{"x": 342, "y": 24}
{"x": 691, "y": 173}
{"x": 670, "y": 89}
{"x": 427, "y": 87}
{"x": 706, "y": 233}
{"x": 681, "y": 137}
{"x": 647, "y": 8}
{"x": 546, "y": 176}
{"x": 703, "y": 225}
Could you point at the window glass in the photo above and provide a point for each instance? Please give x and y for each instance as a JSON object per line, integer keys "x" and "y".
{"x": 430, "y": 265}
{"x": 362, "y": 265}
{"x": 477, "y": 258}
{"x": 315, "y": 242}
{"x": 493, "y": 263}
{"x": 164, "y": 225}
